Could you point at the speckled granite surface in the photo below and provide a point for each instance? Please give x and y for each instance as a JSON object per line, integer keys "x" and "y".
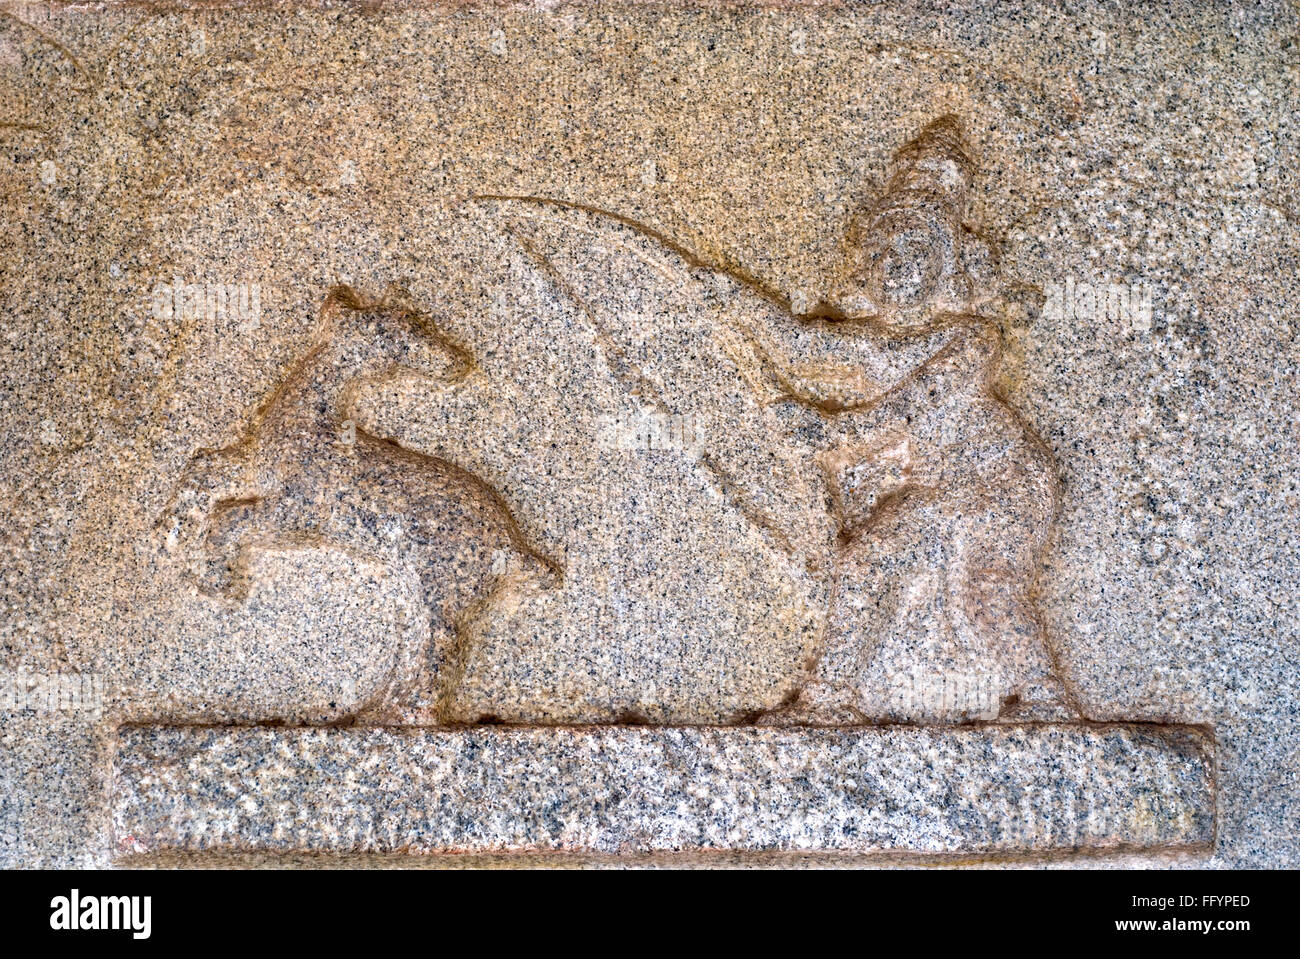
{"x": 885, "y": 791}
{"x": 498, "y": 460}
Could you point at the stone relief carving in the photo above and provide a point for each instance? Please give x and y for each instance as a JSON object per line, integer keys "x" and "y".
{"x": 944, "y": 496}
{"x": 884, "y": 509}
{"x": 914, "y": 500}
{"x": 941, "y": 497}
{"x": 798, "y": 497}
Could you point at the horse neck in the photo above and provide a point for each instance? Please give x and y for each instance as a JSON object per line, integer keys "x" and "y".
{"x": 314, "y": 397}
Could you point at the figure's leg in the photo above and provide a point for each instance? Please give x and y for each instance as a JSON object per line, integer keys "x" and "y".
{"x": 1005, "y": 517}
{"x": 915, "y": 665}
{"x": 1002, "y": 611}
{"x": 452, "y": 649}
{"x": 913, "y": 634}
{"x": 457, "y": 612}
{"x": 413, "y": 696}
{"x": 874, "y": 579}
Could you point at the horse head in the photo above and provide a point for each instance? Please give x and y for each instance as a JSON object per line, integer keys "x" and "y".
{"x": 379, "y": 337}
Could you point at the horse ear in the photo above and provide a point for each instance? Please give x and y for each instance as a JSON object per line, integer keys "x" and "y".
{"x": 398, "y": 297}
{"x": 344, "y": 296}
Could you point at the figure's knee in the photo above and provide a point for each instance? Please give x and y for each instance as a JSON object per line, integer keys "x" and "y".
{"x": 996, "y": 593}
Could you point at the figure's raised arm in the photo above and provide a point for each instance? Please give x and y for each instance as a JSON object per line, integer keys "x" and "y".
{"x": 959, "y": 369}
{"x": 838, "y": 365}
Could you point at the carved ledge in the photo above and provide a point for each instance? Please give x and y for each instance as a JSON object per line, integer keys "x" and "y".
{"x": 885, "y": 790}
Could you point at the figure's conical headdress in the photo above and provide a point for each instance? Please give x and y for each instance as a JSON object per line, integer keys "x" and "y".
{"x": 905, "y": 250}
{"x": 933, "y": 169}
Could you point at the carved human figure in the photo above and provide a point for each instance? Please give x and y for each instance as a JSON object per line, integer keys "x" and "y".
{"x": 944, "y": 497}
{"x": 302, "y": 472}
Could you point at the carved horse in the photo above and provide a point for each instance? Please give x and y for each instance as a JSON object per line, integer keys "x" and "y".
{"x": 303, "y": 473}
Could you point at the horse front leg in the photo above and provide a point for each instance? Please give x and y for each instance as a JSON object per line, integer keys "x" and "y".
{"x": 211, "y": 476}
{"x": 235, "y": 526}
